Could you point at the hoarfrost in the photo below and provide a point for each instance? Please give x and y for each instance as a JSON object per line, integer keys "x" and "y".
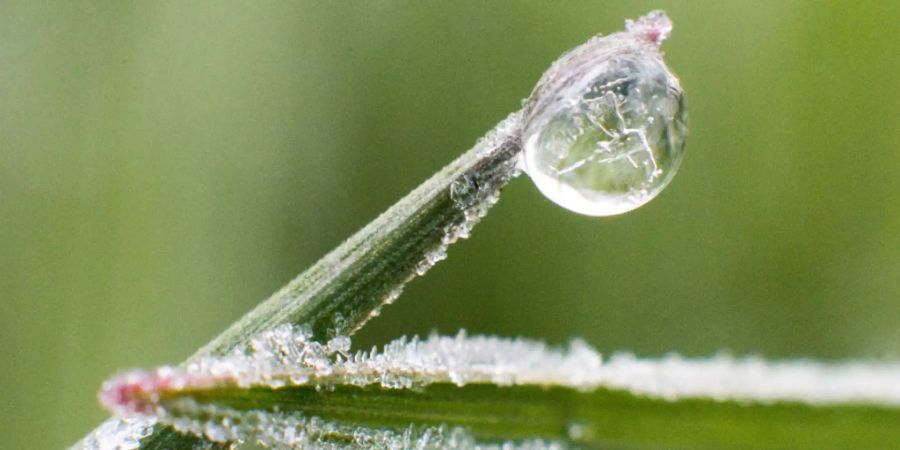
{"x": 286, "y": 355}
{"x": 283, "y": 431}
{"x": 118, "y": 433}
{"x": 477, "y": 190}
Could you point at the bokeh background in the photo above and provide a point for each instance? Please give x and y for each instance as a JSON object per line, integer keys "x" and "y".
{"x": 164, "y": 166}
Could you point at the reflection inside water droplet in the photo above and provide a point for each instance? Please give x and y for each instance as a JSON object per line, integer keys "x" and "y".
{"x": 605, "y": 127}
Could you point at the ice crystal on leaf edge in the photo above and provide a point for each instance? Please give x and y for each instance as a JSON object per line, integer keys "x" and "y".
{"x": 287, "y": 356}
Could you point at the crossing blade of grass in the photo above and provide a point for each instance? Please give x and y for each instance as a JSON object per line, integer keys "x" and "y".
{"x": 338, "y": 294}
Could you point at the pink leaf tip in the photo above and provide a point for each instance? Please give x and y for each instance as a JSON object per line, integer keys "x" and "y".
{"x": 137, "y": 391}
{"x": 653, "y": 27}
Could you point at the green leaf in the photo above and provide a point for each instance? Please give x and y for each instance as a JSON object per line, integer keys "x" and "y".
{"x": 338, "y": 294}
{"x": 286, "y": 390}
{"x": 600, "y": 418}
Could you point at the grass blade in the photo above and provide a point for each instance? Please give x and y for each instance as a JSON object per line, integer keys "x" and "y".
{"x": 597, "y": 419}
{"x": 288, "y": 391}
{"x": 338, "y": 294}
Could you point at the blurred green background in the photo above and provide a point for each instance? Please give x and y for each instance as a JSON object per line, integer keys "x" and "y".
{"x": 164, "y": 166}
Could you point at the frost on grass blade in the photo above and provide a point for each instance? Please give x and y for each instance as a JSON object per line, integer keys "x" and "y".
{"x": 286, "y": 356}
{"x": 118, "y": 433}
{"x": 236, "y": 397}
{"x": 279, "y": 430}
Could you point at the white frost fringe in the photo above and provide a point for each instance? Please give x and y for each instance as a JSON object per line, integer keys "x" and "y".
{"x": 286, "y": 355}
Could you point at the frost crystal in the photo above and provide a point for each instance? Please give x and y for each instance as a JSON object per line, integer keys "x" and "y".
{"x": 118, "y": 434}
{"x": 282, "y": 431}
{"x": 476, "y": 191}
{"x": 286, "y": 356}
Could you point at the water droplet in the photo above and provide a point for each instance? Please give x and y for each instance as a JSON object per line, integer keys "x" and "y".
{"x": 605, "y": 127}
